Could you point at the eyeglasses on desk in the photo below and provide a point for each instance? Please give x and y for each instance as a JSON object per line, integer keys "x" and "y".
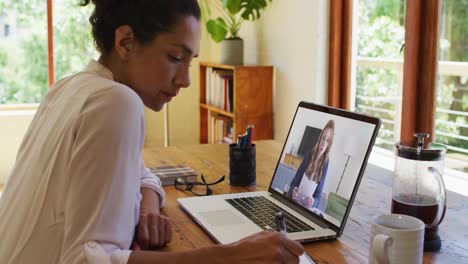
{"x": 197, "y": 188}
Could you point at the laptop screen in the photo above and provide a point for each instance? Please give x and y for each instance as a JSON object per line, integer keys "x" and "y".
{"x": 321, "y": 160}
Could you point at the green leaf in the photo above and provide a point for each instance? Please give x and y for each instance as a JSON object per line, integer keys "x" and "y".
{"x": 233, "y": 6}
{"x": 251, "y": 8}
{"x": 218, "y": 29}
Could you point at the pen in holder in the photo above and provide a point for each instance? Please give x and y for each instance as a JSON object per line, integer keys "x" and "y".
{"x": 242, "y": 168}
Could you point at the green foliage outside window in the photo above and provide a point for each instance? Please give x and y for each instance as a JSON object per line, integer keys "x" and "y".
{"x": 381, "y": 35}
{"x": 452, "y": 91}
{"x": 23, "y": 54}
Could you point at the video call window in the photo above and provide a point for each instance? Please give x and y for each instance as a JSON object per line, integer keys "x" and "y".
{"x": 320, "y": 162}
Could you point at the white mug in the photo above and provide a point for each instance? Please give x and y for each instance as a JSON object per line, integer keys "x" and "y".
{"x": 396, "y": 238}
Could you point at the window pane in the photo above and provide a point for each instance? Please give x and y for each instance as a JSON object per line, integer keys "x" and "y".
{"x": 73, "y": 44}
{"x": 452, "y": 85}
{"x": 23, "y": 51}
{"x": 379, "y": 65}
{"x": 23, "y": 46}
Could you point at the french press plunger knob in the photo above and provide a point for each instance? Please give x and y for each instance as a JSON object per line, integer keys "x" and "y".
{"x": 421, "y": 137}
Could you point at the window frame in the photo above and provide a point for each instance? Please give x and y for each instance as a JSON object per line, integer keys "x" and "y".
{"x": 419, "y": 70}
{"x": 339, "y": 53}
{"x": 50, "y": 44}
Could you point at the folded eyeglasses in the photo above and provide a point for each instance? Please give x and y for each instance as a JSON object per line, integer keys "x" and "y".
{"x": 198, "y": 188}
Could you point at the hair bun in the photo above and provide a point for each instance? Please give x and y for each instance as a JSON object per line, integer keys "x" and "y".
{"x": 95, "y": 2}
{"x": 147, "y": 18}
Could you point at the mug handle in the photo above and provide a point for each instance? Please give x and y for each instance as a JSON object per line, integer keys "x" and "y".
{"x": 380, "y": 244}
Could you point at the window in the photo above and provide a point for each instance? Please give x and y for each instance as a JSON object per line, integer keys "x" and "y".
{"x": 24, "y": 48}
{"x": 394, "y": 72}
{"x": 378, "y": 77}
{"x": 452, "y": 85}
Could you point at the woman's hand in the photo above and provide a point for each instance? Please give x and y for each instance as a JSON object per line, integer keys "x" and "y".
{"x": 264, "y": 247}
{"x": 295, "y": 192}
{"x": 309, "y": 202}
{"x": 153, "y": 230}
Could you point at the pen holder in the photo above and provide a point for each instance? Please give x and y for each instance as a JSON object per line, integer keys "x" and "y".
{"x": 242, "y": 169}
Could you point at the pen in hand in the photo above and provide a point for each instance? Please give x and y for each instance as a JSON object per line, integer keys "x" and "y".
{"x": 280, "y": 223}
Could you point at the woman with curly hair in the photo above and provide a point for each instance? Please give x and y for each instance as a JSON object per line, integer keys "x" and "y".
{"x": 79, "y": 192}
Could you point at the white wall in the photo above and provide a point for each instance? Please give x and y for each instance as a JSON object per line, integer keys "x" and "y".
{"x": 293, "y": 37}
{"x": 13, "y": 126}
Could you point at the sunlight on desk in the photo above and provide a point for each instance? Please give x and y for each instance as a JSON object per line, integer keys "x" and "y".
{"x": 456, "y": 181}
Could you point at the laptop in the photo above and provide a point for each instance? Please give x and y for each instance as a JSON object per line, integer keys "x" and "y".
{"x": 315, "y": 197}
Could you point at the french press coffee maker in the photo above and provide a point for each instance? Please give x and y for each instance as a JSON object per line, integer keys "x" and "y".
{"x": 418, "y": 187}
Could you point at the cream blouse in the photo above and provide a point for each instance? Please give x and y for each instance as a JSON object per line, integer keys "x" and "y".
{"x": 74, "y": 193}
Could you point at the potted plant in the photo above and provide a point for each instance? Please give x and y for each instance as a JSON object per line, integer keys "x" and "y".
{"x": 225, "y": 28}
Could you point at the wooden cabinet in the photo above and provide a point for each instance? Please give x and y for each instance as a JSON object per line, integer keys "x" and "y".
{"x": 292, "y": 161}
{"x": 233, "y": 97}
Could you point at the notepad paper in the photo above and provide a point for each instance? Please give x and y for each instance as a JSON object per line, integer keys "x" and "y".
{"x": 168, "y": 174}
{"x": 307, "y": 187}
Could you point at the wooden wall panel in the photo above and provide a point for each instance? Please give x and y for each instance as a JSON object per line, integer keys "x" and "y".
{"x": 420, "y": 68}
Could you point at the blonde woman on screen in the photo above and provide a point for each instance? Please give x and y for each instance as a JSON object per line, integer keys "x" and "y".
{"x": 307, "y": 184}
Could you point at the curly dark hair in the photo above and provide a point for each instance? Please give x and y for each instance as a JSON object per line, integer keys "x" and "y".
{"x": 147, "y": 18}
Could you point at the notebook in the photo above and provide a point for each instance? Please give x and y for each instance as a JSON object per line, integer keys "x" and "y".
{"x": 333, "y": 163}
{"x": 168, "y": 174}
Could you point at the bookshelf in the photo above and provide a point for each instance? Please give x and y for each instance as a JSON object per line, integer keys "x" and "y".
{"x": 233, "y": 97}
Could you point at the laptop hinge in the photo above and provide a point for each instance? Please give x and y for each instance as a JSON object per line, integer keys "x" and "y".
{"x": 304, "y": 212}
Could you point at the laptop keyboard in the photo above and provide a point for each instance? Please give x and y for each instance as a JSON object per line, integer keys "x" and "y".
{"x": 262, "y": 212}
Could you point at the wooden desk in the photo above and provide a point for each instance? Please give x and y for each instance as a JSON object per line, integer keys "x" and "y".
{"x": 373, "y": 198}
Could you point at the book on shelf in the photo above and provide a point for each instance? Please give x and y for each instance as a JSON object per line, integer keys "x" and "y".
{"x": 220, "y": 128}
{"x": 169, "y": 173}
{"x": 227, "y": 140}
{"x": 219, "y": 88}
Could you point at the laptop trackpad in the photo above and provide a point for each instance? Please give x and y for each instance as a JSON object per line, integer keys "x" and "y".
{"x": 221, "y": 217}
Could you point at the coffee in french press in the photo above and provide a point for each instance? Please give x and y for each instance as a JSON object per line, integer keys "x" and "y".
{"x": 418, "y": 186}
